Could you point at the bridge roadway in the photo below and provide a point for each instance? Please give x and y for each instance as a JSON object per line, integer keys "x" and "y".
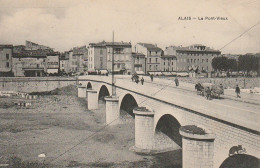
{"x": 240, "y": 113}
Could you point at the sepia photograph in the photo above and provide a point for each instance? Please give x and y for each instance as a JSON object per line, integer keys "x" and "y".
{"x": 129, "y": 84}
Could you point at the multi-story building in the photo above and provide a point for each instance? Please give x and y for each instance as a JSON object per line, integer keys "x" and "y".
{"x": 100, "y": 56}
{"x": 72, "y": 62}
{"x": 97, "y": 57}
{"x": 152, "y": 56}
{"x": 168, "y": 63}
{"x": 193, "y": 57}
{"x": 81, "y": 54}
{"x": 6, "y": 52}
{"x": 122, "y": 57}
{"x": 64, "y": 62}
{"x": 29, "y": 63}
{"x": 53, "y": 62}
{"x": 138, "y": 63}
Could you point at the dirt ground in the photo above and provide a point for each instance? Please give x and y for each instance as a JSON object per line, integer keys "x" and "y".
{"x": 59, "y": 125}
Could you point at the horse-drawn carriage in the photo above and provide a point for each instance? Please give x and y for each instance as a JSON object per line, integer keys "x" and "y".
{"x": 205, "y": 89}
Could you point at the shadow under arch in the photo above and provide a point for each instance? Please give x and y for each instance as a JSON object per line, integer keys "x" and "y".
{"x": 89, "y": 86}
{"x": 103, "y": 92}
{"x": 169, "y": 126}
{"x": 241, "y": 161}
{"x": 128, "y": 103}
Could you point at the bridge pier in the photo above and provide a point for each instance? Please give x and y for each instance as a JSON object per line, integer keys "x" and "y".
{"x": 144, "y": 133}
{"x": 82, "y": 91}
{"x": 197, "y": 148}
{"x": 92, "y": 99}
{"x": 112, "y": 110}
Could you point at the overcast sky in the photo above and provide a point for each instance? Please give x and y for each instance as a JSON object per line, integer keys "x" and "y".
{"x": 63, "y": 24}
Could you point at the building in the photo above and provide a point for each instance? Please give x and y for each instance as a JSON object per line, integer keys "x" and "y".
{"x": 80, "y": 55}
{"x": 53, "y": 62}
{"x": 122, "y": 57}
{"x": 194, "y": 57}
{"x": 100, "y": 57}
{"x": 138, "y": 63}
{"x": 29, "y": 63}
{"x": 64, "y": 62}
{"x": 6, "y": 52}
{"x": 168, "y": 63}
{"x": 152, "y": 56}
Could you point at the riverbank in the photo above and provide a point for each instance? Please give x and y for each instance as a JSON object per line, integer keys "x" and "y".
{"x": 60, "y": 127}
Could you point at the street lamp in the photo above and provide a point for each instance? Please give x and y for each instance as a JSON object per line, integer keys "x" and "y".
{"x": 113, "y": 77}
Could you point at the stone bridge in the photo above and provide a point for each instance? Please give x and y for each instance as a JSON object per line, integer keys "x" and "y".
{"x": 230, "y": 129}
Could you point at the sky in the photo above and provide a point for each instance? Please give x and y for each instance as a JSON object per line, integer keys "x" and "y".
{"x": 64, "y": 24}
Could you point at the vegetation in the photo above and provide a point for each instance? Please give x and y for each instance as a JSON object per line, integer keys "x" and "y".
{"x": 245, "y": 63}
{"x": 193, "y": 129}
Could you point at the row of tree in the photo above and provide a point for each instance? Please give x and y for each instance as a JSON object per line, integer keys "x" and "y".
{"x": 245, "y": 63}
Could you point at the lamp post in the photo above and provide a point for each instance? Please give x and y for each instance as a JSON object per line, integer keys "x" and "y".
{"x": 113, "y": 77}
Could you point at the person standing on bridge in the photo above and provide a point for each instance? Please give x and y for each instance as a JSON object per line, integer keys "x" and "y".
{"x": 238, "y": 91}
{"x": 176, "y": 82}
{"x": 151, "y": 76}
{"x": 142, "y": 81}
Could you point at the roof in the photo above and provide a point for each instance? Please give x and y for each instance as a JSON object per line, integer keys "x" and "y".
{"x": 169, "y": 56}
{"x": 193, "y": 48}
{"x": 79, "y": 50}
{"x": 150, "y": 47}
{"x": 6, "y": 46}
{"x": 138, "y": 54}
{"x": 104, "y": 44}
{"x": 31, "y": 53}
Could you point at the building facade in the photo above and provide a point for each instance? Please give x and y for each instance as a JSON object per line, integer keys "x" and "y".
{"x": 138, "y": 63}
{"x": 29, "y": 63}
{"x": 100, "y": 57}
{"x": 168, "y": 63}
{"x": 194, "y": 57}
{"x": 81, "y": 54}
{"x": 6, "y": 53}
{"x": 53, "y": 62}
{"x": 152, "y": 56}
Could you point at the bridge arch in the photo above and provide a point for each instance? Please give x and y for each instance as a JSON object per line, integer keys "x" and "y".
{"x": 127, "y": 103}
{"x": 241, "y": 161}
{"x": 89, "y": 85}
{"x": 167, "y": 131}
{"x": 102, "y": 92}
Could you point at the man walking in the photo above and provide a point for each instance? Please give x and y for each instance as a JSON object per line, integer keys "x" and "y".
{"x": 176, "y": 81}
{"x": 142, "y": 81}
{"x": 151, "y": 76}
{"x": 238, "y": 91}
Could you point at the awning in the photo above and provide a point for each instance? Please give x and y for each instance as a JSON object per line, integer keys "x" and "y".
{"x": 157, "y": 73}
{"x": 103, "y": 72}
{"x": 174, "y": 73}
{"x": 139, "y": 72}
{"x": 166, "y": 73}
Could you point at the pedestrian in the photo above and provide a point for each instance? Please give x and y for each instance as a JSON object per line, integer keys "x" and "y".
{"x": 151, "y": 76}
{"x": 142, "y": 81}
{"x": 132, "y": 78}
{"x": 208, "y": 93}
{"x": 238, "y": 91}
{"x": 176, "y": 81}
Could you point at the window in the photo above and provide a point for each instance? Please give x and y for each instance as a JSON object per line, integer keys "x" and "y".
{"x": 198, "y": 60}
{"x": 101, "y": 52}
{"x": 150, "y": 67}
{"x": 207, "y": 60}
{"x": 150, "y": 59}
{"x": 156, "y": 67}
{"x": 188, "y": 60}
{"x": 156, "y": 59}
{"x": 156, "y": 52}
{"x": 164, "y": 63}
{"x": 7, "y": 64}
{"x": 118, "y": 65}
{"x": 7, "y": 56}
{"x": 118, "y": 50}
{"x": 172, "y": 63}
{"x": 191, "y": 60}
{"x": 150, "y": 52}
